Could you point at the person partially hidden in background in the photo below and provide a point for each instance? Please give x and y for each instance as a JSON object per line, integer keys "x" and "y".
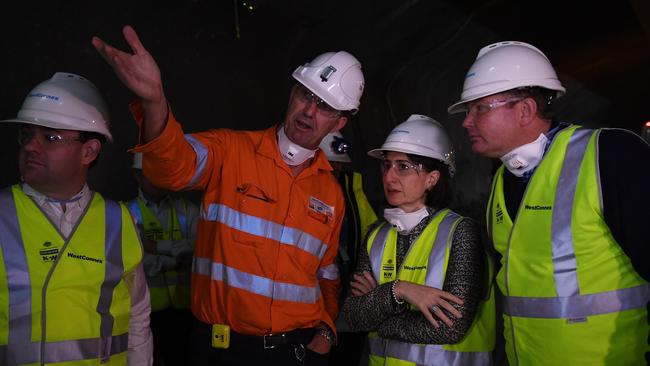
{"x": 167, "y": 225}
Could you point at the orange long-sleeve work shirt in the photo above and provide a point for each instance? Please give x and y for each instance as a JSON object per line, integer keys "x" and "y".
{"x": 266, "y": 242}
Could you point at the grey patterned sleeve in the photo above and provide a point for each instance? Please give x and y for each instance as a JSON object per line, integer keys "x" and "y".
{"x": 464, "y": 278}
{"x": 366, "y": 312}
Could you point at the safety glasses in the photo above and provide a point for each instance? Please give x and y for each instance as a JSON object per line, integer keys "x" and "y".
{"x": 401, "y": 167}
{"x": 48, "y": 138}
{"x": 478, "y": 109}
{"x": 305, "y": 96}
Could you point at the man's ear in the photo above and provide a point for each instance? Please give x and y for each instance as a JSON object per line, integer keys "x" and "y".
{"x": 90, "y": 151}
{"x": 527, "y": 111}
{"x": 340, "y": 123}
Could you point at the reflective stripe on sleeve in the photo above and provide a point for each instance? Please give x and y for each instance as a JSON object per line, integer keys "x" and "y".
{"x": 201, "y": 158}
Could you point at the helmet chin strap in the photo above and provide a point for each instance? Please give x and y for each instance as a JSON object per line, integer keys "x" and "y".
{"x": 292, "y": 154}
{"x": 526, "y": 157}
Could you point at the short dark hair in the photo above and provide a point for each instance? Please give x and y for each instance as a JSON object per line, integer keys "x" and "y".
{"x": 439, "y": 196}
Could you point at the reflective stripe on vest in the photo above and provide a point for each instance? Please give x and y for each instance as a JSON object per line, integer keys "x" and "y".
{"x": 170, "y": 287}
{"x": 376, "y": 252}
{"x": 153, "y": 229}
{"x": 564, "y": 276}
{"x": 360, "y": 216}
{"x": 20, "y": 348}
{"x": 578, "y": 306}
{"x": 435, "y": 277}
{"x": 265, "y": 229}
{"x": 426, "y": 354}
{"x": 256, "y": 284}
{"x": 569, "y": 303}
{"x": 564, "y": 258}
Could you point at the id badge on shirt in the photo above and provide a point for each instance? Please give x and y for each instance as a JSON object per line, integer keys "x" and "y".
{"x": 321, "y": 207}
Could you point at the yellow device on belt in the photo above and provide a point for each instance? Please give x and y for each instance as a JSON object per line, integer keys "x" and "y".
{"x": 220, "y": 336}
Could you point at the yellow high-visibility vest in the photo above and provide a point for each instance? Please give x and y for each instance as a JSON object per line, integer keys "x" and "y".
{"x": 172, "y": 287}
{"x": 572, "y": 296}
{"x": 426, "y": 264}
{"x": 65, "y": 302}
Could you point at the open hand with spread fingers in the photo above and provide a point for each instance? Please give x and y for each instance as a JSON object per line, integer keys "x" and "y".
{"x": 430, "y": 300}
{"x": 137, "y": 70}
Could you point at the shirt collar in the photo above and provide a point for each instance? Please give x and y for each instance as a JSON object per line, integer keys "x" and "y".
{"x": 80, "y": 198}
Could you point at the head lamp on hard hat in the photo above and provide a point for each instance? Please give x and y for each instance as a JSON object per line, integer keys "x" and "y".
{"x": 335, "y": 147}
{"x": 334, "y": 77}
{"x": 339, "y": 145}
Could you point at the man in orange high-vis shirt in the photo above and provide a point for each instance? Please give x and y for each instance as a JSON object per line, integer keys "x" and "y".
{"x": 264, "y": 283}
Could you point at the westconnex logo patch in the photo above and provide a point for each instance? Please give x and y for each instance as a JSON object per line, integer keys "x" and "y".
{"x": 85, "y": 258}
{"x": 48, "y": 252}
{"x": 538, "y": 207}
{"x": 499, "y": 214}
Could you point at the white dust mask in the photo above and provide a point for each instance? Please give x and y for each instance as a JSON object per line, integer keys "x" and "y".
{"x": 292, "y": 154}
{"x": 526, "y": 157}
{"x": 404, "y": 221}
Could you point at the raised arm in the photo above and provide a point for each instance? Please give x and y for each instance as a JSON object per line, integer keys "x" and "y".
{"x": 139, "y": 72}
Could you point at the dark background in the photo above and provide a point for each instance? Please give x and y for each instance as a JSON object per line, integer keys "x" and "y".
{"x": 225, "y": 65}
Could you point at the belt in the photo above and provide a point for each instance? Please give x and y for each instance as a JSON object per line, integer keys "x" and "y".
{"x": 268, "y": 341}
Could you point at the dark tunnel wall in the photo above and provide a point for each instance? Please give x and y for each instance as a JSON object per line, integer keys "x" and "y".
{"x": 414, "y": 56}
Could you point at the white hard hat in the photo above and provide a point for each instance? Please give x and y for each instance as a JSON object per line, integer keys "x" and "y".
{"x": 335, "y": 147}
{"x": 507, "y": 65}
{"x": 419, "y": 135}
{"x": 334, "y": 77}
{"x": 67, "y": 102}
{"x": 137, "y": 161}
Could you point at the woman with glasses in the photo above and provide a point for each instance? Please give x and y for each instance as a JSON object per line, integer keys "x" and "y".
{"x": 422, "y": 286}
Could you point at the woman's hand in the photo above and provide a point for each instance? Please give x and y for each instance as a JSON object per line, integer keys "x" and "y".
{"x": 429, "y": 300}
{"x": 361, "y": 285}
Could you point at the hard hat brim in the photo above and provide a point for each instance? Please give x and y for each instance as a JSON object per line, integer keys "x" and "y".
{"x": 53, "y": 125}
{"x": 457, "y": 107}
{"x": 379, "y": 153}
